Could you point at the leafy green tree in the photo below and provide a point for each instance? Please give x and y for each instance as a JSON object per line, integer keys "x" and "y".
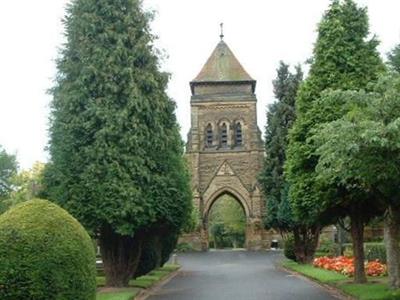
{"x": 394, "y": 59}
{"x": 227, "y": 223}
{"x": 8, "y": 169}
{"x": 28, "y": 183}
{"x": 360, "y": 153}
{"x": 345, "y": 58}
{"x": 280, "y": 117}
{"x": 116, "y": 153}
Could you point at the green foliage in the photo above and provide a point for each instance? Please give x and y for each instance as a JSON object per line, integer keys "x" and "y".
{"x": 100, "y": 281}
{"x": 344, "y": 58}
{"x": 327, "y": 247}
{"x": 116, "y": 152}
{"x": 8, "y": 169}
{"x": 28, "y": 184}
{"x": 289, "y": 248}
{"x": 394, "y": 59}
{"x": 372, "y": 250}
{"x": 45, "y": 254}
{"x": 375, "y": 251}
{"x": 193, "y": 222}
{"x": 360, "y": 151}
{"x": 227, "y": 223}
{"x": 280, "y": 117}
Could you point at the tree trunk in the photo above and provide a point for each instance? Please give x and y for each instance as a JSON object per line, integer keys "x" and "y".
{"x": 339, "y": 228}
{"x": 357, "y": 234}
{"x": 158, "y": 247}
{"x": 392, "y": 241}
{"x": 120, "y": 255}
{"x": 305, "y": 243}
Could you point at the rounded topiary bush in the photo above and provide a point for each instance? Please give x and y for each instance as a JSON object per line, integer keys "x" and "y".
{"x": 45, "y": 254}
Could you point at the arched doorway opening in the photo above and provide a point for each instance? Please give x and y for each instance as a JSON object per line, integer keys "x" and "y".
{"x": 226, "y": 222}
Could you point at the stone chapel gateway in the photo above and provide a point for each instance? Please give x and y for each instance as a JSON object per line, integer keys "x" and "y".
{"x": 224, "y": 148}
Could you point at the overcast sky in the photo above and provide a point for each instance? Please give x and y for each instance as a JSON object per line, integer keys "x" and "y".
{"x": 260, "y": 33}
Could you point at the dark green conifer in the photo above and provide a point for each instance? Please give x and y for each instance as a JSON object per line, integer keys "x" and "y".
{"x": 394, "y": 59}
{"x": 280, "y": 117}
{"x": 116, "y": 153}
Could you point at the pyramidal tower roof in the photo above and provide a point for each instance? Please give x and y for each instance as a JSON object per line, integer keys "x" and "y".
{"x": 222, "y": 66}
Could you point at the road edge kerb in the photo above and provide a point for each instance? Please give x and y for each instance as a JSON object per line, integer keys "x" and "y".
{"x": 143, "y": 294}
{"x": 339, "y": 294}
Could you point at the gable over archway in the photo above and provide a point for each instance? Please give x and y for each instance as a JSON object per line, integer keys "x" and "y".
{"x": 225, "y": 191}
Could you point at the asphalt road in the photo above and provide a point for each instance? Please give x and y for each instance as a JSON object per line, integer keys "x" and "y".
{"x": 236, "y": 275}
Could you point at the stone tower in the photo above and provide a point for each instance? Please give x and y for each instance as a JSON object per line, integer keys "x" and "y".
{"x": 224, "y": 148}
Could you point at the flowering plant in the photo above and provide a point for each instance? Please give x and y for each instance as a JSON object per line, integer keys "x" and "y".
{"x": 345, "y": 265}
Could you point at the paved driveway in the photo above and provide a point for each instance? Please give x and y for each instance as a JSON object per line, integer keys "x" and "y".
{"x": 236, "y": 275}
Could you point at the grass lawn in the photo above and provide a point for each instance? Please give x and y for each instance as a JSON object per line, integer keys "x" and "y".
{"x": 142, "y": 282}
{"x": 375, "y": 289}
{"x": 370, "y": 291}
{"x": 117, "y": 295}
{"x": 318, "y": 274}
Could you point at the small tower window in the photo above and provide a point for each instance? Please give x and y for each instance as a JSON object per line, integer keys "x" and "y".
{"x": 238, "y": 134}
{"x": 209, "y": 135}
{"x": 224, "y": 135}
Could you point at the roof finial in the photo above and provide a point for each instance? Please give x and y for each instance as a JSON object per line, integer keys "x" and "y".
{"x": 222, "y": 31}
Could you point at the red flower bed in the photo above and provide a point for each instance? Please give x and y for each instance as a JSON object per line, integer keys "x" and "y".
{"x": 345, "y": 265}
{"x": 375, "y": 268}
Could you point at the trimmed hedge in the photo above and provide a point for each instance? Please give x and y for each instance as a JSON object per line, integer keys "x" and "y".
{"x": 373, "y": 251}
{"x": 328, "y": 248}
{"x": 45, "y": 254}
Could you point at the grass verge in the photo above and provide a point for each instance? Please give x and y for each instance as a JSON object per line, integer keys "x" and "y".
{"x": 142, "y": 282}
{"x": 375, "y": 289}
{"x": 117, "y": 295}
{"x": 321, "y": 275}
{"x": 370, "y": 291}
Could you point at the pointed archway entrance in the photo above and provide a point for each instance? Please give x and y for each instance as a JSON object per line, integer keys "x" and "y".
{"x": 227, "y": 223}
{"x": 227, "y": 182}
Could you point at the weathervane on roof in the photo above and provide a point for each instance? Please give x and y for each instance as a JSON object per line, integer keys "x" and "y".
{"x": 222, "y": 31}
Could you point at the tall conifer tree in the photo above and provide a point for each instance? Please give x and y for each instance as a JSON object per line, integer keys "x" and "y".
{"x": 116, "y": 153}
{"x": 394, "y": 59}
{"x": 344, "y": 58}
{"x": 280, "y": 118}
